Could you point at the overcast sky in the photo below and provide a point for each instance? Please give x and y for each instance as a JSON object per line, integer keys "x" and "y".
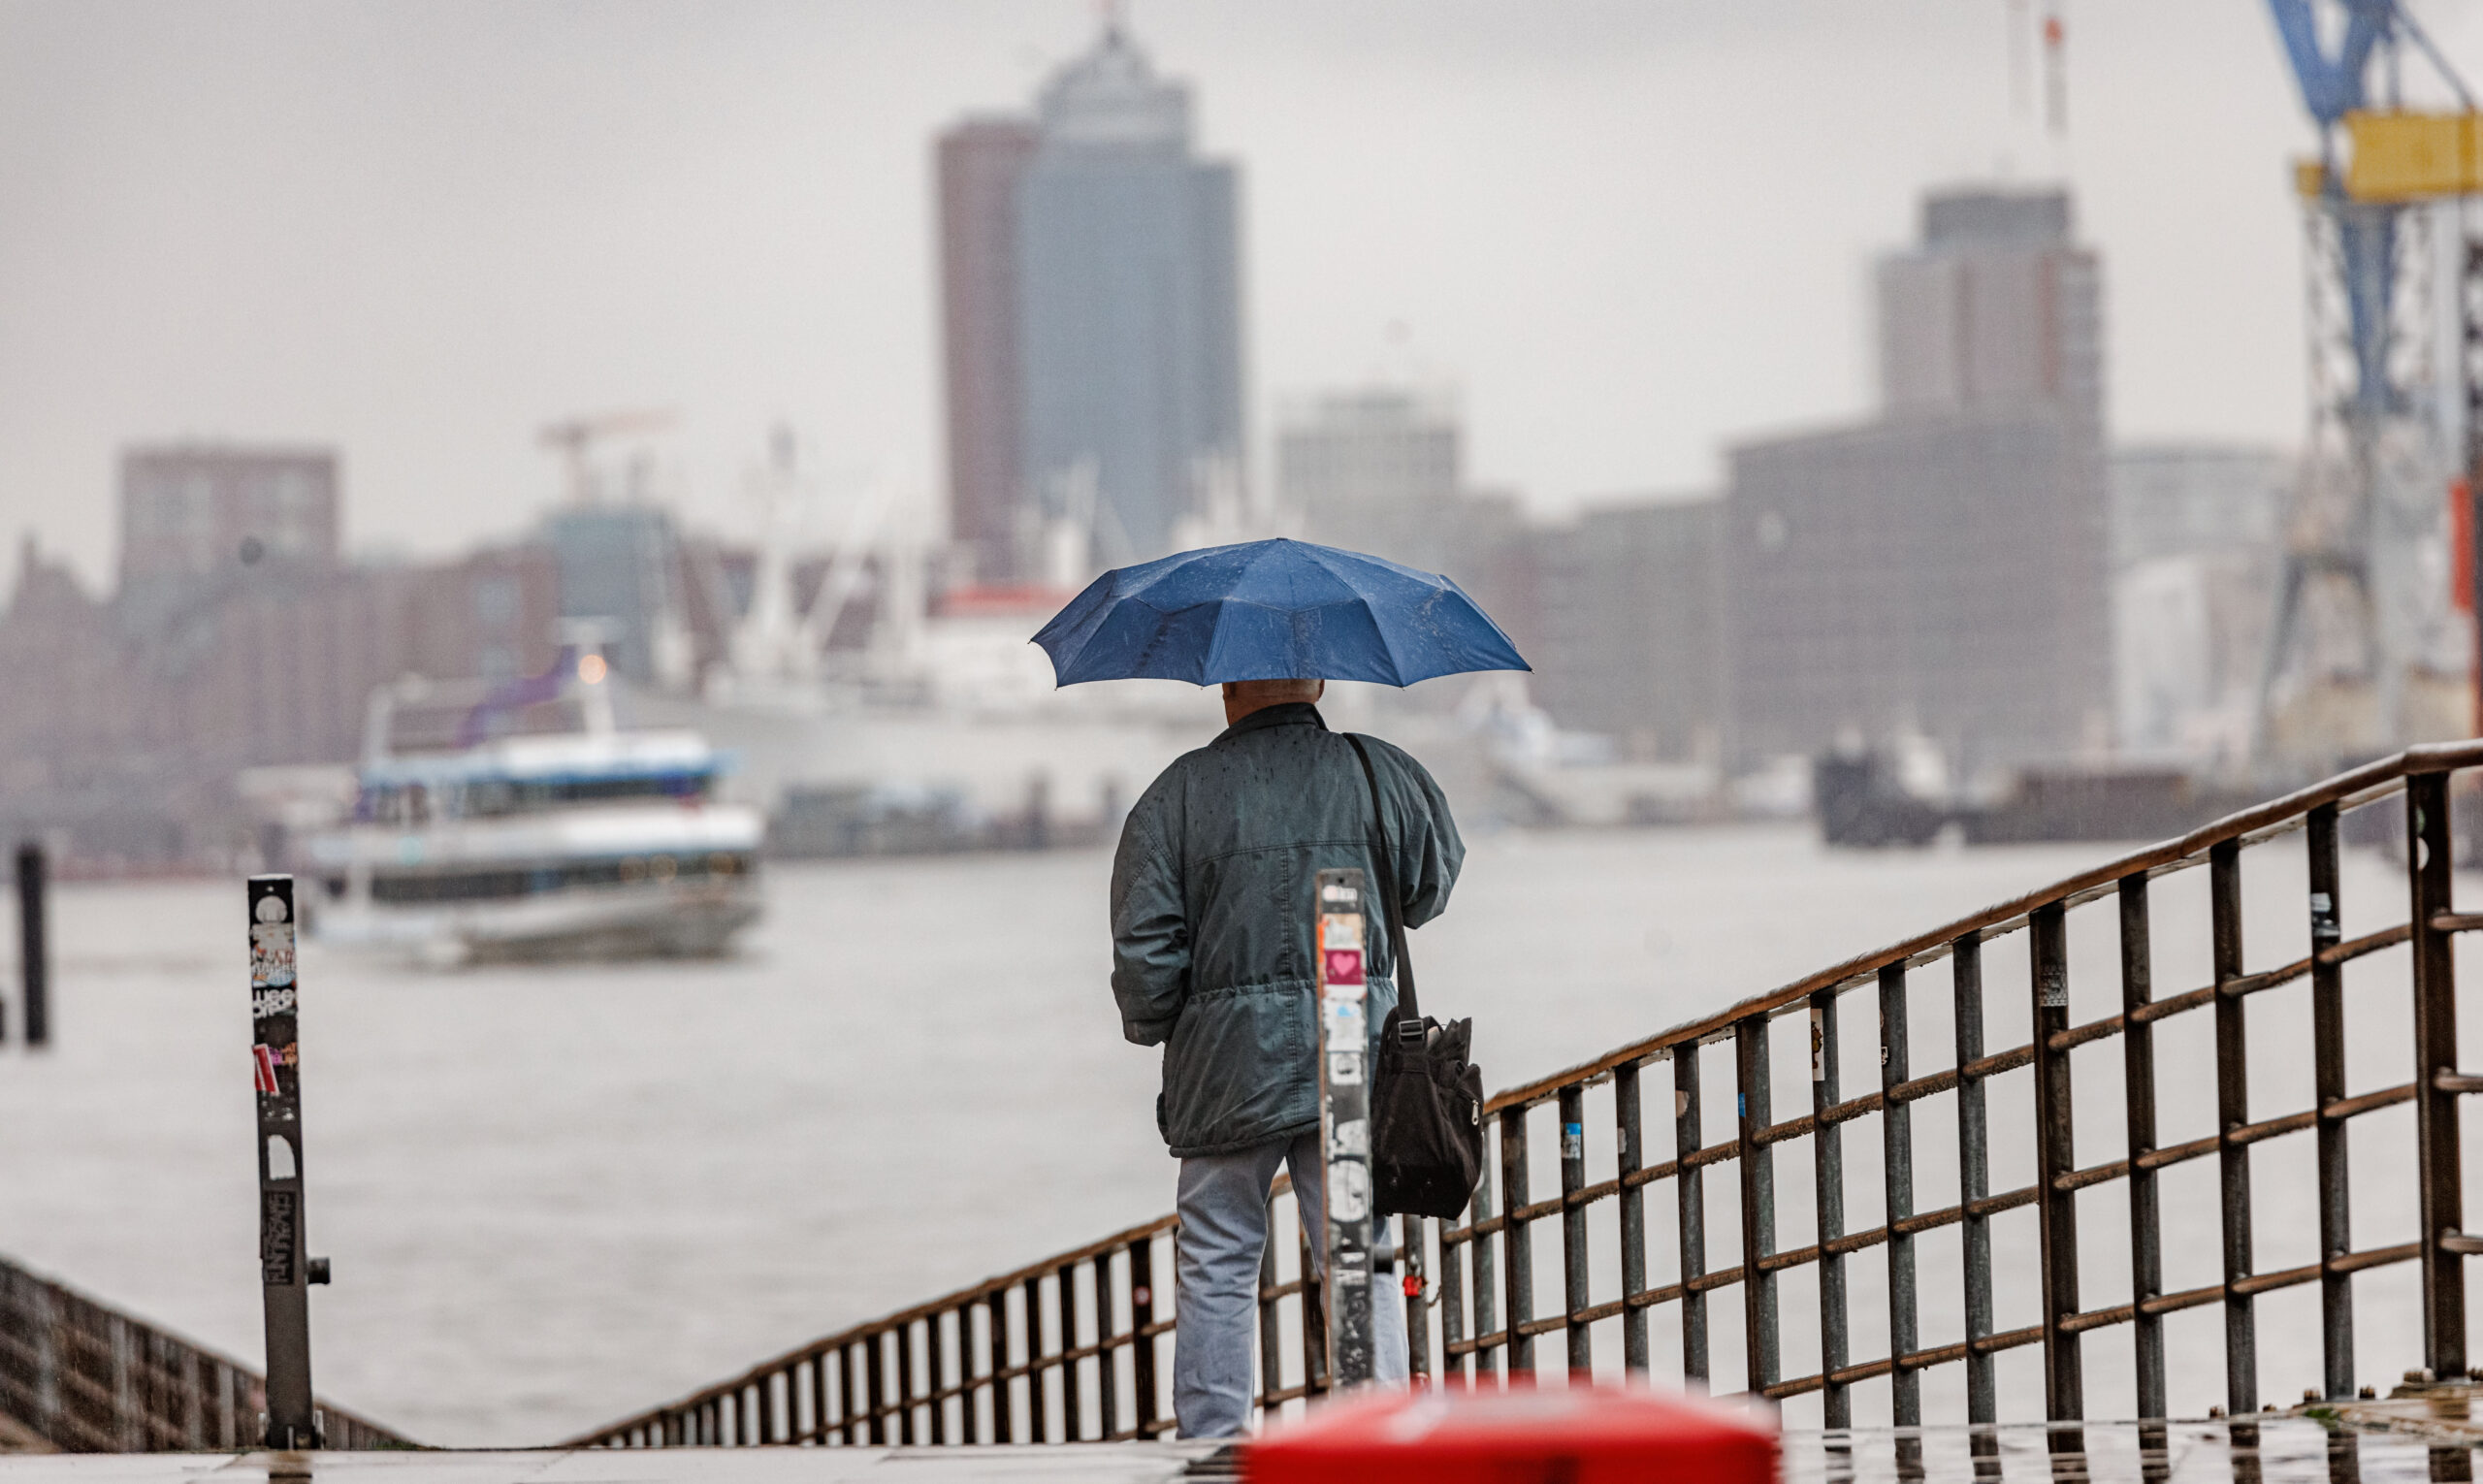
{"x": 1630, "y": 231}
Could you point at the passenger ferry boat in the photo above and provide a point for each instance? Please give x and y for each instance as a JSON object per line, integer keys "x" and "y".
{"x": 520, "y": 821}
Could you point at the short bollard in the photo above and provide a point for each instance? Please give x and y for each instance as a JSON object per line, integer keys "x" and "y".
{"x": 34, "y": 954}
{"x": 285, "y": 1273}
{"x": 1344, "y": 1124}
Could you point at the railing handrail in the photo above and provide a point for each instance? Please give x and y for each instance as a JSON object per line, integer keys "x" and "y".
{"x": 2345, "y": 790}
{"x": 345, "y": 1428}
{"x": 1930, "y": 947}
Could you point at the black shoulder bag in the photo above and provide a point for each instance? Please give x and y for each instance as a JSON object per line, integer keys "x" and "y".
{"x": 1427, "y": 1100}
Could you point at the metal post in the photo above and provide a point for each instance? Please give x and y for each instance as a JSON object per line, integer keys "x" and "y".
{"x": 1418, "y": 1326}
{"x": 2137, "y": 1073}
{"x": 1827, "y": 1178}
{"x": 2064, "y": 1383}
{"x": 1271, "y": 1325}
{"x": 1107, "y": 1382}
{"x": 1896, "y": 1141}
{"x": 2435, "y": 1116}
{"x": 1516, "y": 1243}
{"x": 1759, "y": 1202}
{"x": 1344, "y": 1124}
{"x": 1003, "y": 1413}
{"x": 1573, "y": 1224}
{"x": 1628, "y": 1129}
{"x": 1973, "y": 1181}
{"x": 1487, "y": 1287}
{"x": 1037, "y": 1396}
{"x": 285, "y": 1272}
{"x": 34, "y": 955}
{"x": 1072, "y": 1387}
{"x": 2231, "y": 1112}
{"x": 1142, "y": 1315}
{"x": 2328, "y": 1059}
{"x": 1689, "y": 1189}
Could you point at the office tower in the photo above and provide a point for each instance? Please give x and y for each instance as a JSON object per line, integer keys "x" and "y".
{"x": 1123, "y": 317}
{"x": 1628, "y": 612}
{"x": 1376, "y": 469}
{"x": 980, "y": 162}
{"x": 1943, "y": 569}
{"x": 194, "y": 517}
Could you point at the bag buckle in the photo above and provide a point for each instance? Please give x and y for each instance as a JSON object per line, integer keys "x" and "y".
{"x": 1410, "y": 1033}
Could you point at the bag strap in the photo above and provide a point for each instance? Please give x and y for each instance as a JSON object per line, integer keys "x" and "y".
{"x": 1384, "y": 860}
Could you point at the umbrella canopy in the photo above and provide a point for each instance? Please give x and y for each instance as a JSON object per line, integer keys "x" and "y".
{"x": 1272, "y": 610}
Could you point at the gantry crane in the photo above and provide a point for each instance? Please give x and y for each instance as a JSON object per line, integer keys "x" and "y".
{"x": 2366, "y": 650}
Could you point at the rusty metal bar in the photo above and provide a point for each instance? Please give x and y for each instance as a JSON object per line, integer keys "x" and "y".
{"x": 1516, "y": 1248}
{"x": 1974, "y": 1175}
{"x": 1271, "y": 1325}
{"x": 1072, "y": 1387}
{"x": 1689, "y": 1190}
{"x": 2233, "y": 1111}
{"x": 1896, "y": 1134}
{"x": 1759, "y": 1203}
{"x": 1003, "y": 1347}
{"x": 1628, "y": 1137}
{"x": 2435, "y": 1114}
{"x": 2138, "y": 1064}
{"x": 1038, "y": 1391}
{"x": 1827, "y": 1179}
{"x": 2327, "y": 1055}
{"x": 1142, "y": 1320}
{"x": 1573, "y": 1225}
{"x": 1108, "y": 1415}
{"x": 1487, "y": 1288}
{"x": 2064, "y": 1385}
{"x": 1452, "y": 1309}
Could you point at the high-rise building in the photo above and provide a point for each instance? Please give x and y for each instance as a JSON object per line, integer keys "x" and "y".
{"x": 194, "y": 516}
{"x": 980, "y": 163}
{"x": 1943, "y": 570}
{"x": 1628, "y": 607}
{"x": 1376, "y": 469}
{"x": 1122, "y": 403}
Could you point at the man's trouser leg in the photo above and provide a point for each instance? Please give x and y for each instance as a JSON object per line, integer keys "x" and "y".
{"x": 1223, "y": 1205}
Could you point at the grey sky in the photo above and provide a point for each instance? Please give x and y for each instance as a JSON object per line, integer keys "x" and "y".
{"x": 1630, "y": 232}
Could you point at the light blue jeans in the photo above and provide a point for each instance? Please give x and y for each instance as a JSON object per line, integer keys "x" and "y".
{"x": 1224, "y": 1227}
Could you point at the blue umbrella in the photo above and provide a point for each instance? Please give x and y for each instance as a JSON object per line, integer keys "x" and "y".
{"x": 1272, "y": 610}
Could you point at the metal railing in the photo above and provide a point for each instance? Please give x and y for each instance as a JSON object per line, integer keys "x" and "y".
{"x": 88, "y": 1379}
{"x": 1071, "y": 1348}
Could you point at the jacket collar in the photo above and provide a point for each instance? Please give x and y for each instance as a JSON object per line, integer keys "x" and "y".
{"x": 1284, "y": 713}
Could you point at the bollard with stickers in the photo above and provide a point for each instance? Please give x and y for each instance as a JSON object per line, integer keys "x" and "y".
{"x": 285, "y": 1273}
{"x": 1344, "y": 1124}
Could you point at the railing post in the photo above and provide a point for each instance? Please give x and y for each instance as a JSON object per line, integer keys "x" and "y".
{"x": 1896, "y": 1135}
{"x": 1827, "y": 1178}
{"x": 2064, "y": 1385}
{"x": 1759, "y": 1201}
{"x": 1629, "y": 1139}
{"x": 2137, "y": 1073}
{"x": 1072, "y": 1387}
{"x": 1345, "y": 1122}
{"x": 1002, "y": 1413}
{"x": 1690, "y": 1191}
{"x": 285, "y": 1273}
{"x": 2231, "y": 1112}
{"x": 2435, "y": 1114}
{"x": 1107, "y": 1420}
{"x": 1573, "y": 1224}
{"x": 1271, "y": 1325}
{"x": 1142, "y": 1314}
{"x": 1418, "y": 1326}
{"x": 1516, "y": 1244}
{"x": 2328, "y": 1060}
{"x": 1487, "y": 1286}
{"x": 1974, "y": 1181}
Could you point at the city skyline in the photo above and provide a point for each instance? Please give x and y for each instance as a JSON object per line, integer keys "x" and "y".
{"x": 650, "y": 224}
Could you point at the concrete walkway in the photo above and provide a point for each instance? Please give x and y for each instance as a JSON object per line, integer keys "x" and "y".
{"x": 1084, "y": 1463}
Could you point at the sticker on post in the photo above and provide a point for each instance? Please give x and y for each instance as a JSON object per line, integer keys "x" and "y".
{"x": 1338, "y": 893}
{"x": 271, "y": 944}
{"x": 1345, "y": 1068}
{"x": 1350, "y": 1140}
{"x": 1348, "y": 1193}
{"x": 1341, "y": 966}
{"x": 263, "y": 1064}
{"x": 272, "y": 1002}
{"x": 1343, "y": 1017}
{"x": 1340, "y": 931}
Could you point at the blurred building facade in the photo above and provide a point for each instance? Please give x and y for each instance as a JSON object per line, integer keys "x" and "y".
{"x": 1629, "y": 628}
{"x": 1943, "y": 570}
{"x": 2197, "y": 543}
{"x": 1090, "y": 268}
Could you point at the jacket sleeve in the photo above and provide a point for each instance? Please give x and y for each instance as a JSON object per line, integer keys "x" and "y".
{"x": 1150, "y": 934}
{"x": 1429, "y": 851}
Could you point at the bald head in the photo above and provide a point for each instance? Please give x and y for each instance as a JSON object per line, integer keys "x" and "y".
{"x": 1244, "y": 697}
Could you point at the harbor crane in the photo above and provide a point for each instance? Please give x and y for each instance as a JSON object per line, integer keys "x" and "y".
{"x": 2367, "y": 649}
{"x": 575, "y": 440}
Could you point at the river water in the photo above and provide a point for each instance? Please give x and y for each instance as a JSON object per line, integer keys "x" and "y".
{"x": 555, "y": 1196}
